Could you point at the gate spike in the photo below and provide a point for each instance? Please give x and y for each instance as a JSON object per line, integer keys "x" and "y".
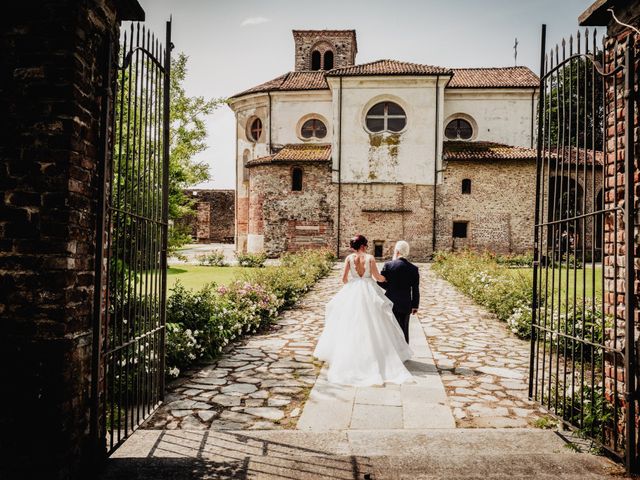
{"x": 570, "y": 45}
{"x": 586, "y": 40}
{"x": 578, "y": 41}
{"x": 124, "y": 47}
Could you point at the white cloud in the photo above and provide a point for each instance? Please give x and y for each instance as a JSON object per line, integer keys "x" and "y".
{"x": 254, "y": 21}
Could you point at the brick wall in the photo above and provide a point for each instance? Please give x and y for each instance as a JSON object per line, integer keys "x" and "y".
{"x": 386, "y": 213}
{"x": 499, "y": 210}
{"x": 52, "y": 66}
{"x": 291, "y": 220}
{"x": 214, "y": 215}
{"x": 615, "y": 243}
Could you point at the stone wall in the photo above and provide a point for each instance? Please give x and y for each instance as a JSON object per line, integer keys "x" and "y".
{"x": 52, "y": 70}
{"x": 386, "y": 213}
{"x": 214, "y": 215}
{"x": 282, "y": 220}
{"x": 341, "y": 42}
{"x": 500, "y": 208}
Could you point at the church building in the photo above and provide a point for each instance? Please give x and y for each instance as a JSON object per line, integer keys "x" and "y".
{"x": 441, "y": 157}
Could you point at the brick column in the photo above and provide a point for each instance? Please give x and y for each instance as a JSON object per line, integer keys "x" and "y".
{"x": 53, "y": 58}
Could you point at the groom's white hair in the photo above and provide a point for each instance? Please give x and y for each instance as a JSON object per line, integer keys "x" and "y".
{"x": 402, "y": 248}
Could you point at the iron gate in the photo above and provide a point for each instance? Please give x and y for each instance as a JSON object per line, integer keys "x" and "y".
{"x": 129, "y": 345}
{"x": 582, "y": 344}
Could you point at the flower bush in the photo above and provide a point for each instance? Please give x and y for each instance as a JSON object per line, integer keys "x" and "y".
{"x": 508, "y": 293}
{"x": 201, "y": 323}
{"x": 500, "y": 289}
{"x": 212, "y": 259}
{"x": 253, "y": 260}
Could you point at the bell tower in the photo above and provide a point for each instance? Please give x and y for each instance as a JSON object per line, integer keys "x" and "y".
{"x": 324, "y": 49}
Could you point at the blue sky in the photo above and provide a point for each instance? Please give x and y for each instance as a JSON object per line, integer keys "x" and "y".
{"x": 236, "y": 44}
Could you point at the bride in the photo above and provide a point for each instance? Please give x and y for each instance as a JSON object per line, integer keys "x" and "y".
{"x": 362, "y": 342}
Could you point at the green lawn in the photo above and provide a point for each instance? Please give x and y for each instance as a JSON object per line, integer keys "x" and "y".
{"x": 556, "y": 279}
{"x": 195, "y": 277}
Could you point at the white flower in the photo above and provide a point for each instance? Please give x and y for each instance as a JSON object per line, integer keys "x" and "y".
{"x": 174, "y": 372}
{"x": 191, "y": 356}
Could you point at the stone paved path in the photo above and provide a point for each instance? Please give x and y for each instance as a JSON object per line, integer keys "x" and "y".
{"x": 237, "y": 418}
{"x": 259, "y": 383}
{"x": 483, "y": 366}
{"x": 419, "y": 405}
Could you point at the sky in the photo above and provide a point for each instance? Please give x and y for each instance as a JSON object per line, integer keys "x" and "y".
{"x": 236, "y": 44}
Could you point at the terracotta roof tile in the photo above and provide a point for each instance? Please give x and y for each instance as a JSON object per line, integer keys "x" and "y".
{"x": 514, "y": 77}
{"x": 294, "y": 152}
{"x": 575, "y": 155}
{"x": 290, "y": 82}
{"x": 457, "y": 150}
{"x": 389, "y": 67}
{"x": 460, "y": 150}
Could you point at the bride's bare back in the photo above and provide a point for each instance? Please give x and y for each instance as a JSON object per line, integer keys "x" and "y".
{"x": 360, "y": 262}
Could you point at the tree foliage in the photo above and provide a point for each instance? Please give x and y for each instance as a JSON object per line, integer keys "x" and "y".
{"x": 187, "y": 138}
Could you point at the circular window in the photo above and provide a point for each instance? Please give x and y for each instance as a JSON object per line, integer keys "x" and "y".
{"x": 386, "y": 117}
{"x": 458, "y": 129}
{"x": 255, "y": 129}
{"x": 313, "y": 128}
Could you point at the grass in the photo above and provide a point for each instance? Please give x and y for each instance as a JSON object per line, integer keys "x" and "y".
{"x": 558, "y": 283}
{"x": 194, "y": 277}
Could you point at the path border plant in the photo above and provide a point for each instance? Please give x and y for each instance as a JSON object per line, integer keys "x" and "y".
{"x": 201, "y": 323}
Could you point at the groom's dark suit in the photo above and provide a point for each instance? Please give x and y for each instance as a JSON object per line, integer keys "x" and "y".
{"x": 401, "y": 288}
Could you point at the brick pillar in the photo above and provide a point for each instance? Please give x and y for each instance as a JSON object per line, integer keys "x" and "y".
{"x": 53, "y": 57}
{"x": 615, "y": 243}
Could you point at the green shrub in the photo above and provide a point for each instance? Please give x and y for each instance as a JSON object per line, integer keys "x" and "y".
{"x": 499, "y": 288}
{"x": 253, "y": 260}
{"x": 201, "y": 323}
{"x": 522, "y": 260}
{"x": 212, "y": 259}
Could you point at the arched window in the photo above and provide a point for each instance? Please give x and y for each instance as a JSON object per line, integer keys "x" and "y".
{"x": 296, "y": 179}
{"x": 255, "y": 130}
{"x": 386, "y": 117}
{"x": 328, "y": 60}
{"x": 466, "y": 186}
{"x": 315, "y": 60}
{"x": 458, "y": 129}
{"x": 313, "y": 128}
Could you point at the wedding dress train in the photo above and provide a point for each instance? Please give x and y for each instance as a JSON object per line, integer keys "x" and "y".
{"x": 362, "y": 342}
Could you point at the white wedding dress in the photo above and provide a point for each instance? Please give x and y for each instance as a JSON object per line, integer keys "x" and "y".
{"x": 362, "y": 342}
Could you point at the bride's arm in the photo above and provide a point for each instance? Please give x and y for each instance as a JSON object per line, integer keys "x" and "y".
{"x": 345, "y": 271}
{"x": 374, "y": 271}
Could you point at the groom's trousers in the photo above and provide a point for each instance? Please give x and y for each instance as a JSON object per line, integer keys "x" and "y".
{"x": 403, "y": 321}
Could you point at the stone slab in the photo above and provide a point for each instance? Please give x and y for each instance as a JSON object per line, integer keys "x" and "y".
{"x": 376, "y": 417}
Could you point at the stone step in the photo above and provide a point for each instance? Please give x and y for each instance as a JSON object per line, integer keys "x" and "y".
{"x": 289, "y": 454}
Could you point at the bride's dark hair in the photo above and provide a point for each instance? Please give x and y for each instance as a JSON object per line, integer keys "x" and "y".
{"x": 358, "y": 241}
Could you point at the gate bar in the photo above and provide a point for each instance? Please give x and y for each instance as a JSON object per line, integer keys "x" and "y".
{"x": 629, "y": 224}
{"x": 536, "y": 250}
{"x": 101, "y": 214}
{"x": 165, "y": 204}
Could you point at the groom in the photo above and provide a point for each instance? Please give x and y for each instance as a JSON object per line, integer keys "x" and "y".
{"x": 402, "y": 285}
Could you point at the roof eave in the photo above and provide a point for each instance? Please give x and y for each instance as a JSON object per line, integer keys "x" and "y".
{"x": 443, "y": 74}
{"x": 596, "y": 14}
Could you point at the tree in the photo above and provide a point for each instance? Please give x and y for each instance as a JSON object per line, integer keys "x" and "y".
{"x": 187, "y": 136}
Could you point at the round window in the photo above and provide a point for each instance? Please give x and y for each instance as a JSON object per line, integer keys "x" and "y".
{"x": 313, "y": 128}
{"x": 386, "y": 117}
{"x": 458, "y": 129}
{"x": 255, "y": 129}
